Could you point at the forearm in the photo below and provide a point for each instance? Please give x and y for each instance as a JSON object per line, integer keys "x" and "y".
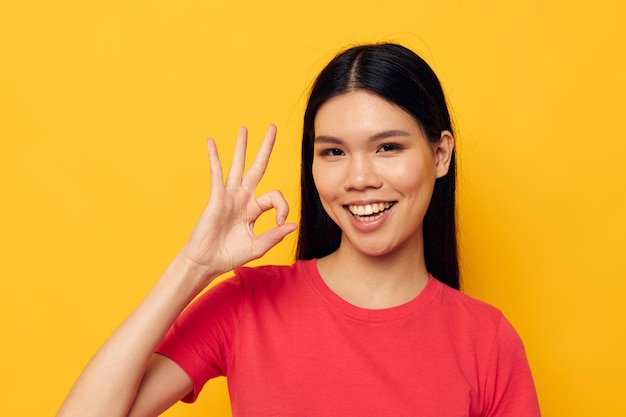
{"x": 109, "y": 383}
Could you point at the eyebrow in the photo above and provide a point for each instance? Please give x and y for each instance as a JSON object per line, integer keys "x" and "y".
{"x": 378, "y": 136}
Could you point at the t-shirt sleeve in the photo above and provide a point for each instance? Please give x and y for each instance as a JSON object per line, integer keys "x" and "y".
{"x": 510, "y": 390}
{"x": 200, "y": 339}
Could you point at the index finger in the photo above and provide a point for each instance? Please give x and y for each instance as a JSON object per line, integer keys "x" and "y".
{"x": 258, "y": 166}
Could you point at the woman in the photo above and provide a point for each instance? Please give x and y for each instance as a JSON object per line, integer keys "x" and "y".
{"x": 358, "y": 326}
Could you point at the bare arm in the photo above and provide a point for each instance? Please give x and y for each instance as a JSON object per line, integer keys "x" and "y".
{"x": 125, "y": 377}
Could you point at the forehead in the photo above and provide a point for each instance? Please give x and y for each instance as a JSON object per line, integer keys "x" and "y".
{"x": 360, "y": 111}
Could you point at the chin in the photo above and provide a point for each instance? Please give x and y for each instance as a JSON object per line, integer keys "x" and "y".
{"x": 375, "y": 252}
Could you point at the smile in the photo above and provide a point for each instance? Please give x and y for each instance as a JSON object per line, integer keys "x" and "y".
{"x": 368, "y": 212}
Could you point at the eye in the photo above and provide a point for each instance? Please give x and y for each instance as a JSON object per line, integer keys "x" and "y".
{"x": 331, "y": 152}
{"x": 388, "y": 147}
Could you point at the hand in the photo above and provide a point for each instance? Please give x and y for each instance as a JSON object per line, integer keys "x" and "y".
{"x": 224, "y": 237}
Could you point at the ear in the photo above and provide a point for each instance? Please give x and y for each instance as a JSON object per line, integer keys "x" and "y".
{"x": 443, "y": 153}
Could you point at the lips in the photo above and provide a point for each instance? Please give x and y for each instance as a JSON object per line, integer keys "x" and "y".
{"x": 368, "y": 212}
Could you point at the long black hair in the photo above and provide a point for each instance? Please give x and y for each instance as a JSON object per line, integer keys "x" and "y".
{"x": 400, "y": 76}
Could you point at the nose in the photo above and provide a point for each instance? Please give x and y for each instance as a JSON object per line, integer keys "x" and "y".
{"x": 361, "y": 174}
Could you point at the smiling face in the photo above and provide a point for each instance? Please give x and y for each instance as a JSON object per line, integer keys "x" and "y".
{"x": 375, "y": 171}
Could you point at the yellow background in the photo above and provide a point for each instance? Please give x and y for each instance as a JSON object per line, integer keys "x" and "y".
{"x": 104, "y": 111}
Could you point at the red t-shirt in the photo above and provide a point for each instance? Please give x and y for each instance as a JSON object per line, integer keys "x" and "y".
{"x": 289, "y": 346}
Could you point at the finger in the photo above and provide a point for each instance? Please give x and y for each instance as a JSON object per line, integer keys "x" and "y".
{"x": 257, "y": 169}
{"x": 267, "y": 240}
{"x": 215, "y": 164}
{"x": 276, "y": 200}
{"x": 235, "y": 173}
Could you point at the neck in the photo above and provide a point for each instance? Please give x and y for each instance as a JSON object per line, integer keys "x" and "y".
{"x": 375, "y": 281}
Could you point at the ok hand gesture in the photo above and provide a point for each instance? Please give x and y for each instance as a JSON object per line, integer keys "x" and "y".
{"x": 224, "y": 237}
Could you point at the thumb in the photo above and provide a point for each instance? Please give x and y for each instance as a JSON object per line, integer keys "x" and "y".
{"x": 267, "y": 240}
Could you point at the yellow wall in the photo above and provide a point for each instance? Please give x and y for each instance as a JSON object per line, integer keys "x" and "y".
{"x": 105, "y": 105}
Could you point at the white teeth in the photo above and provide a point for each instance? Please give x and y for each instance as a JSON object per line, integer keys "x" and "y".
{"x": 368, "y": 209}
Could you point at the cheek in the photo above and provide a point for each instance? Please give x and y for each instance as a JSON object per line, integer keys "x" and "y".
{"x": 413, "y": 179}
{"x": 321, "y": 179}
{"x": 326, "y": 186}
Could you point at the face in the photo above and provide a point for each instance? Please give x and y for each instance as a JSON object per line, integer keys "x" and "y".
{"x": 375, "y": 171}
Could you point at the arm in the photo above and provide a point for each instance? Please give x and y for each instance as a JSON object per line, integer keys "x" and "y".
{"x": 510, "y": 388}
{"x": 124, "y": 376}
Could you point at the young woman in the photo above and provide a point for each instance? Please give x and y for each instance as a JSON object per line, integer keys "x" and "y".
{"x": 369, "y": 320}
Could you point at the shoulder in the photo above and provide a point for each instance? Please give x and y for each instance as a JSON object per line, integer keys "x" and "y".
{"x": 229, "y": 300}
{"x": 467, "y": 306}
{"x": 271, "y": 276}
{"x": 273, "y": 271}
{"x": 468, "y": 317}
{"x": 487, "y": 343}
{"x": 250, "y": 284}
{"x": 473, "y": 322}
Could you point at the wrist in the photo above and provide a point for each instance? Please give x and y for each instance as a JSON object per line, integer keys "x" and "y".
{"x": 195, "y": 273}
